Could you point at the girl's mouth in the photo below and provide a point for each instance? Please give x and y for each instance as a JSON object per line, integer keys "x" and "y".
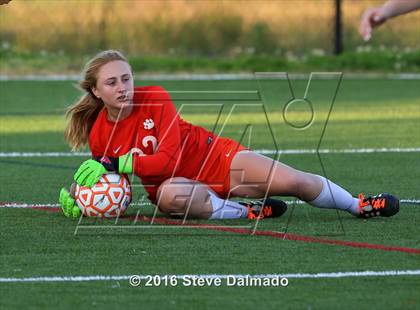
{"x": 122, "y": 98}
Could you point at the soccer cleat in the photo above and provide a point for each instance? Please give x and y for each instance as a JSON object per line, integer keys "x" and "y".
{"x": 380, "y": 205}
{"x": 269, "y": 207}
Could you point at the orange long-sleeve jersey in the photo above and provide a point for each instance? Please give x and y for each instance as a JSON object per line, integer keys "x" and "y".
{"x": 167, "y": 145}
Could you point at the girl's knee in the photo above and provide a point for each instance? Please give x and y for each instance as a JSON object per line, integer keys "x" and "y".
{"x": 172, "y": 199}
{"x": 176, "y": 194}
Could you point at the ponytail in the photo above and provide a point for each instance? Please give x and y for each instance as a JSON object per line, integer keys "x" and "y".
{"x": 81, "y": 117}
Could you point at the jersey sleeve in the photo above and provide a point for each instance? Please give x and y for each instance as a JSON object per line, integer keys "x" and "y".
{"x": 162, "y": 163}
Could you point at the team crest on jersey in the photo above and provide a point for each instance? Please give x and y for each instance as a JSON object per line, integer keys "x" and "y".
{"x": 148, "y": 124}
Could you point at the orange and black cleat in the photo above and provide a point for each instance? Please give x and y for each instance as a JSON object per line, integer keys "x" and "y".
{"x": 265, "y": 208}
{"x": 380, "y": 205}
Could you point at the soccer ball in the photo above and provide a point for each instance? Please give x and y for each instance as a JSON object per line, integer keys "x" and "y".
{"x": 109, "y": 197}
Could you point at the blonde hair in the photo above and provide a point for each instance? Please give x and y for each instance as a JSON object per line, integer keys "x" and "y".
{"x": 84, "y": 112}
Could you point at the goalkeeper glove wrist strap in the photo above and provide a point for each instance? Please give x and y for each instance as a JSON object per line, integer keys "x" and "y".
{"x": 125, "y": 163}
{"x": 122, "y": 164}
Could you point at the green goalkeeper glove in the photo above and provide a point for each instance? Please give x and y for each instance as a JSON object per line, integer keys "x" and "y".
{"x": 68, "y": 205}
{"x": 90, "y": 171}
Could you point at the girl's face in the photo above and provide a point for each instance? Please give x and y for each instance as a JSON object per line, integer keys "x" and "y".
{"x": 114, "y": 84}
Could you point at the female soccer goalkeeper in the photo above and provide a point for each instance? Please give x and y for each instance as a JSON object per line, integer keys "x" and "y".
{"x": 185, "y": 169}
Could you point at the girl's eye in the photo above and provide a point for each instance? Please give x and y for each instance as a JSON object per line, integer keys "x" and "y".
{"x": 126, "y": 79}
{"x": 111, "y": 83}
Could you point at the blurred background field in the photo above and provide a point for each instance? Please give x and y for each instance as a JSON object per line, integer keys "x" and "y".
{"x": 207, "y": 36}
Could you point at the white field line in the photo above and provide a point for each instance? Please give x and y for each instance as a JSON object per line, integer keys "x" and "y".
{"x": 324, "y": 275}
{"x": 29, "y": 206}
{"x": 43, "y": 154}
{"x": 341, "y": 151}
{"x": 261, "y": 151}
{"x": 14, "y": 205}
{"x": 211, "y": 77}
{"x": 52, "y": 205}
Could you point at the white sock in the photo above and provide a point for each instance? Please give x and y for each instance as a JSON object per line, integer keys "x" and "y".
{"x": 226, "y": 209}
{"x": 333, "y": 196}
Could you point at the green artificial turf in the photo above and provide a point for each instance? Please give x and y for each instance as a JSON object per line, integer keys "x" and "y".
{"x": 366, "y": 114}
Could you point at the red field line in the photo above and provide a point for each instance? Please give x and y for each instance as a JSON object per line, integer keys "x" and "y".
{"x": 294, "y": 237}
{"x": 274, "y": 234}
